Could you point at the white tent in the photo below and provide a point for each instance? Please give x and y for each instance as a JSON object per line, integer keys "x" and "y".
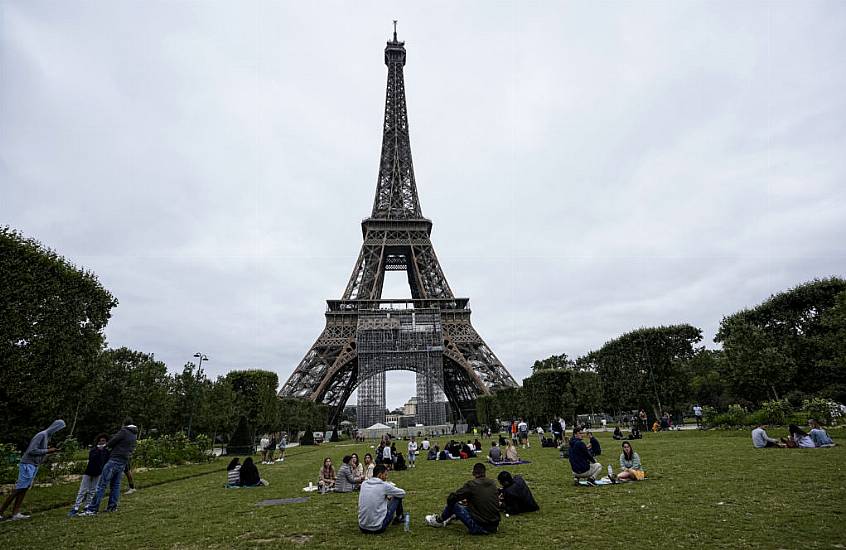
{"x": 378, "y": 426}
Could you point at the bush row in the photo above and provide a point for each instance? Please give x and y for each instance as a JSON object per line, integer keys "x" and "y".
{"x": 776, "y": 412}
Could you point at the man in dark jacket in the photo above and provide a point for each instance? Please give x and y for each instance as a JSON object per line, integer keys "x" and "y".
{"x": 480, "y": 514}
{"x": 122, "y": 445}
{"x": 581, "y": 461}
{"x": 35, "y": 453}
{"x": 515, "y": 495}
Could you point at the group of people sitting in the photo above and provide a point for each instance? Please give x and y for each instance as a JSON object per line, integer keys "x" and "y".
{"x": 586, "y": 468}
{"x": 349, "y": 476}
{"x": 634, "y": 434}
{"x": 477, "y": 504}
{"x": 455, "y": 450}
{"x": 243, "y": 475}
{"x": 797, "y": 438}
{"x": 497, "y": 456}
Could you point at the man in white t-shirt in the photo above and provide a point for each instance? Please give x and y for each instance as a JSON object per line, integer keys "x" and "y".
{"x": 264, "y": 444}
{"x": 412, "y": 452}
{"x": 697, "y": 412}
{"x": 425, "y": 444}
{"x": 523, "y": 433}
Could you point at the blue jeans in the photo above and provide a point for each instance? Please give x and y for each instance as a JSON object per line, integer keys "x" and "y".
{"x": 394, "y": 510}
{"x": 111, "y": 476}
{"x": 463, "y": 513}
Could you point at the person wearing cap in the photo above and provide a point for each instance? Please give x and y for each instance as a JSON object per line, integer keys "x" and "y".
{"x": 582, "y": 462}
{"x": 476, "y": 504}
{"x": 37, "y": 450}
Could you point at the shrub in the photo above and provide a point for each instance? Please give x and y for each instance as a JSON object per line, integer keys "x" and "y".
{"x": 777, "y": 411}
{"x": 734, "y": 416}
{"x": 241, "y": 442}
{"x": 823, "y": 410}
{"x": 9, "y": 457}
{"x": 171, "y": 450}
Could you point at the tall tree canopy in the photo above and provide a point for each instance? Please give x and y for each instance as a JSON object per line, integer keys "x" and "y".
{"x": 52, "y": 316}
{"x": 645, "y": 367}
{"x": 789, "y": 343}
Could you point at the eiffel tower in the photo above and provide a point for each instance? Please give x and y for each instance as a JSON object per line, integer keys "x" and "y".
{"x": 366, "y": 335}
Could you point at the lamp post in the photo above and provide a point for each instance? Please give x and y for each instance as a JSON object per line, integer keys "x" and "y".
{"x": 202, "y": 357}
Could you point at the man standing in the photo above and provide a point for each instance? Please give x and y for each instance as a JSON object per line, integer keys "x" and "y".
{"x": 122, "y": 444}
{"x": 581, "y": 460}
{"x": 34, "y": 455}
{"x": 412, "y": 452}
{"x": 523, "y": 430}
{"x": 480, "y": 514}
{"x": 379, "y": 503}
{"x": 697, "y": 412}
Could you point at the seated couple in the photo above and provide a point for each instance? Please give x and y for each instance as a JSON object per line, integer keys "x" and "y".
{"x": 243, "y": 475}
{"x": 585, "y": 467}
{"x": 495, "y": 454}
{"x": 349, "y": 476}
{"x": 478, "y": 502}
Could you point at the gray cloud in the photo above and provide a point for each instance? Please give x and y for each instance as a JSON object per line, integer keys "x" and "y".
{"x": 589, "y": 169}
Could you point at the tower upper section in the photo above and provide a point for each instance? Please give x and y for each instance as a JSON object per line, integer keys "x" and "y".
{"x": 396, "y": 190}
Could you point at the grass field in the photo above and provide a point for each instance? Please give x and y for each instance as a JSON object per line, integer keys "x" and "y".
{"x": 705, "y": 489}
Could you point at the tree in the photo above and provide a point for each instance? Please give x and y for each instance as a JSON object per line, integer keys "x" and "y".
{"x": 217, "y": 413}
{"x": 256, "y": 398}
{"x": 645, "y": 366}
{"x": 553, "y": 362}
{"x": 787, "y": 344}
{"x": 52, "y": 317}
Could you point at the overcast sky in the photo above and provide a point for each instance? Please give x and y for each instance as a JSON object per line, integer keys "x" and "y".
{"x": 590, "y": 168}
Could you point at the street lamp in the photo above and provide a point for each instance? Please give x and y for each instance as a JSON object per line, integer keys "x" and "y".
{"x": 202, "y": 357}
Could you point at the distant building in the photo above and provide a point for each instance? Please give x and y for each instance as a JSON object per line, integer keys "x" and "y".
{"x": 410, "y": 408}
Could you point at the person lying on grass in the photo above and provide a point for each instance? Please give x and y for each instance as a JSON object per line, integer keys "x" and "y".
{"x": 515, "y": 497}
{"x": 379, "y": 503}
{"x": 630, "y": 467}
{"x": 819, "y": 435}
{"x": 582, "y": 462}
{"x": 476, "y": 504}
{"x": 326, "y": 478}
{"x": 797, "y": 438}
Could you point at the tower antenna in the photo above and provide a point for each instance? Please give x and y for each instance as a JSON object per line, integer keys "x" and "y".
{"x": 395, "y": 30}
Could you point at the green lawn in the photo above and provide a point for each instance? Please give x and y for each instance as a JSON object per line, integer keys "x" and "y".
{"x": 705, "y": 489}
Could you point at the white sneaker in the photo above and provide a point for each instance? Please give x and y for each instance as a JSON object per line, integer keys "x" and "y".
{"x": 130, "y": 491}
{"x": 432, "y": 521}
{"x": 19, "y": 516}
{"x": 87, "y": 513}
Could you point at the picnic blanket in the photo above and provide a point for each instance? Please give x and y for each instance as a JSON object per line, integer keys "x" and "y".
{"x": 509, "y": 462}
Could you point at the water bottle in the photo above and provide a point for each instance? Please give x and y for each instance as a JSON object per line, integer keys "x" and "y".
{"x": 407, "y": 522}
{"x": 610, "y": 471}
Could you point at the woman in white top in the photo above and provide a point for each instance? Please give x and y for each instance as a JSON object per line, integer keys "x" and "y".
{"x": 387, "y": 459}
{"x": 368, "y": 466}
{"x": 356, "y": 467}
{"x": 800, "y": 438}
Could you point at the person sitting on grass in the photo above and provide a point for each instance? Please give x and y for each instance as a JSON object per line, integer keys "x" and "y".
{"x": 819, "y": 435}
{"x": 618, "y": 434}
{"x": 511, "y": 453}
{"x": 495, "y": 454}
{"x": 368, "y": 466}
{"x": 233, "y": 472}
{"x": 433, "y": 453}
{"x": 248, "y": 475}
{"x": 797, "y": 438}
{"x": 97, "y": 458}
{"x": 480, "y": 514}
{"x": 630, "y": 467}
{"x": 635, "y": 433}
{"x": 593, "y": 445}
{"x": 515, "y": 496}
{"x": 326, "y": 478}
{"x": 379, "y": 503}
{"x": 346, "y": 481}
{"x": 356, "y": 467}
{"x": 582, "y": 463}
{"x": 760, "y": 439}
{"x": 399, "y": 463}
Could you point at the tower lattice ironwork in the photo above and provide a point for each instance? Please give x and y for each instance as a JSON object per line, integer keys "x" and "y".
{"x": 430, "y": 334}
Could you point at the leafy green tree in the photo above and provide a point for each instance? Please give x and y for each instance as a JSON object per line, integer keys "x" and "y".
{"x": 256, "y": 398}
{"x": 647, "y": 366}
{"x": 788, "y": 343}
{"x": 52, "y": 317}
{"x": 551, "y": 395}
{"x": 553, "y": 362}
{"x": 217, "y": 413}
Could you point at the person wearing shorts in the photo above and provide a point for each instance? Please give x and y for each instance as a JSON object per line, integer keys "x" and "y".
{"x": 32, "y": 458}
